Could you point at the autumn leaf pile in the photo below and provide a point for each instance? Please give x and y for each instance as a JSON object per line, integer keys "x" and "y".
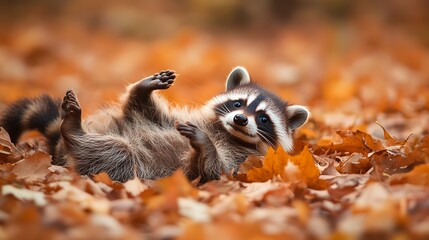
{"x": 360, "y": 167}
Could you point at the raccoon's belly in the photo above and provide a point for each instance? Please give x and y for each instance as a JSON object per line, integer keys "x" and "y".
{"x": 160, "y": 151}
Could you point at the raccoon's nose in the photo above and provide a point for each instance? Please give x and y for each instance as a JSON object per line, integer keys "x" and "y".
{"x": 240, "y": 119}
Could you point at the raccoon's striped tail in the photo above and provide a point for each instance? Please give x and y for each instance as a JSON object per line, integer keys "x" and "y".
{"x": 42, "y": 114}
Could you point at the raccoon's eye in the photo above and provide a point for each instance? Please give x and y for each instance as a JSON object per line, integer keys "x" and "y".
{"x": 237, "y": 104}
{"x": 263, "y": 118}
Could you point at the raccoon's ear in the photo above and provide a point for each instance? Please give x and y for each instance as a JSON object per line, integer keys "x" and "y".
{"x": 237, "y": 77}
{"x": 297, "y": 116}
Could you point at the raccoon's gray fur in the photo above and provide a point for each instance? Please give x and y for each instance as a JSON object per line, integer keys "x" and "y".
{"x": 145, "y": 137}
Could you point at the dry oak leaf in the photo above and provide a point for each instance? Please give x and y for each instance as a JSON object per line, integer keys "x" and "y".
{"x": 345, "y": 184}
{"x": 8, "y": 152}
{"x": 355, "y": 142}
{"x": 280, "y": 163}
{"x": 418, "y": 176}
{"x": 400, "y": 156}
{"x": 34, "y": 167}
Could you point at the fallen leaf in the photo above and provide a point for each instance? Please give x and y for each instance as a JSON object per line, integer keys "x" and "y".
{"x": 170, "y": 189}
{"x": 418, "y": 176}
{"x": 227, "y": 204}
{"x": 8, "y": 152}
{"x": 135, "y": 186}
{"x": 103, "y": 178}
{"x": 34, "y": 167}
{"x": 278, "y": 163}
{"x": 70, "y": 193}
{"x": 194, "y": 210}
{"x": 233, "y": 230}
{"x": 355, "y": 142}
{"x": 256, "y": 191}
{"x": 345, "y": 184}
{"x": 373, "y": 197}
{"x": 25, "y": 194}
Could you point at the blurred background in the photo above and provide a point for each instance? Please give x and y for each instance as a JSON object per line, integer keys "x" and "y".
{"x": 352, "y": 62}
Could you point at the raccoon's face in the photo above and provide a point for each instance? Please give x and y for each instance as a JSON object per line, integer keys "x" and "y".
{"x": 256, "y": 116}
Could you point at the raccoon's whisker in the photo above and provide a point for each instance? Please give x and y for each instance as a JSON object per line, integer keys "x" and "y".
{"x": 261, "y": 134}
{"x": 226, "y": 109}
{"x": 222, "y": 105}
{"x": 221, "y": 111}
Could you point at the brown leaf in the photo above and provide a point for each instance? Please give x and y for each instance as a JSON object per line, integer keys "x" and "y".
{"x": 346, "y": 184}
{"x": 418, "y": 176}
{"x": 34, "y": 167}
{"x": 355, "y": 163}
{"x": 355, "y": 142}
{"x": 8, "y": 152}
{"x": 389, "y": 140}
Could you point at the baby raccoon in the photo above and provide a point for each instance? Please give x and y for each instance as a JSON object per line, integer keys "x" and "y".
{"x": 145, "y": 137}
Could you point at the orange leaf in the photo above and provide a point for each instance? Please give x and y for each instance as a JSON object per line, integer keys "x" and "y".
{"x": 34, "y": 167}
{"x": 357, "y": 141}
{"x": 170, "y": 189}
{"x": 305, "y": 162}
{"x": 277, "y": 163}
{"x": 103, "y": 178}
{"x": 388, "y": 139}
{"x": 418, "y": 176}
{"x": 273, "y": 165}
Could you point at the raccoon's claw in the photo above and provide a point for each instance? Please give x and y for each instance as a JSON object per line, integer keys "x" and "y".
{"x": 70, "y": 105}
{"x": 70, "y": 112}
{"x": 196, "y": 137}
{"x": 161, "y": 80}
{"x": 187, "y": 129}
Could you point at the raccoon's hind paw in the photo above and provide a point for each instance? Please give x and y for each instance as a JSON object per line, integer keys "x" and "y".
{"x": 70, "y": 113}
{"x": 70, "y": 105}
{"x": 161, "y": 80}
{"x": 196, "y": 137}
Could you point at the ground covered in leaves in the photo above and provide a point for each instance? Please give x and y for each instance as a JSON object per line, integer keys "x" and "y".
{"x": 360, "y": 168}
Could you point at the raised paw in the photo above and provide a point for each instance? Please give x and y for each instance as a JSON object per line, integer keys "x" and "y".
{"x": 196, "y": 137}
{"x": 70, "y": 112}
{"x": 70, "y": 105}
{"x": 161, "y": 80}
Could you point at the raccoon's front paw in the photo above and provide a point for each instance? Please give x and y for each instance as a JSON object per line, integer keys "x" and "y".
{"x": 196, "y": 137}
{"x": 161, "y": 80}
{"x": 70, "y": 112}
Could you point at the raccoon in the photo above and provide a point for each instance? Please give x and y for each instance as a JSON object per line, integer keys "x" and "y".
{"x": 145, "y": 137}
